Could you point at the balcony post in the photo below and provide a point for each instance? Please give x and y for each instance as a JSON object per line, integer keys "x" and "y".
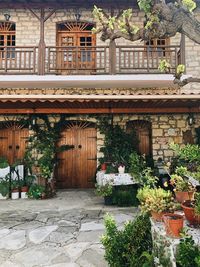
{"x": 112, "y": 57}
{"x": 41, "y": 50}
{"x": 42, "y": 46}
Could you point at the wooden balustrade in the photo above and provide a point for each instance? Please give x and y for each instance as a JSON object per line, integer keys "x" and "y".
{"x": 18, "y": 59}
{"x": 111, "y": 59}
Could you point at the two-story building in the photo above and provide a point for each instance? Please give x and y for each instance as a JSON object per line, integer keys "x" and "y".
{"x": 52, "y": 63}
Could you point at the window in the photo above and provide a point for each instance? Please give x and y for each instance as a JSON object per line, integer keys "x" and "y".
{"x": 7, "y": 39}
{"x": 157, "y": 47}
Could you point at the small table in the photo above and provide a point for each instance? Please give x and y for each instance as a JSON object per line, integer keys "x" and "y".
{"x": 114, "y": 178}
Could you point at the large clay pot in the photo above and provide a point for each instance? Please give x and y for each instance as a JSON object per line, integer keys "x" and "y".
{"x": 157, "y": 216}
{"x": 173, "y": 224}
{"x": 183, "y": 196}
{"x": 189, "y": 212}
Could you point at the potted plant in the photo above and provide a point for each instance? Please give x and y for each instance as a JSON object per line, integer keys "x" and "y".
{"x": 182, "y": 187}
{"x": 4, "y": 188}
{"x": 156, "y": 201}
{"x": 173, "y": 224}
{"x": 105, "y": 191}
{"x": 15, "y": 189}
{"x": 121, "y": 168}
{"x": 28, "y": 181}
{"x": 191, "y": 210}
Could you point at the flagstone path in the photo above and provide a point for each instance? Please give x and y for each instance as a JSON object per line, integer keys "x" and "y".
{"x": 60, "y": 232}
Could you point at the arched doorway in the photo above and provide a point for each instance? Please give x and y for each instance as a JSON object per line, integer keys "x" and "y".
{"x": 13, "y": 140}
{"x": 144, "y": 134}
{"x": 77, "y": 167}
{"x": 76, "y": 47}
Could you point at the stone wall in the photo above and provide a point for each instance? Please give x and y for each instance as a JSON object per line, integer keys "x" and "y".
{"x": 166, "y": 128}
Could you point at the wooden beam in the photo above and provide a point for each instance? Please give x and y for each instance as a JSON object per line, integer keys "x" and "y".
{"x": 42, "y": 46}
{"x": 101, "y": 110}
{"x": 98, "y": 97}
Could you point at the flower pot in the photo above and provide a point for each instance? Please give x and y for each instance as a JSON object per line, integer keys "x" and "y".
{"x": 121, "y": 169}
{"x": 103, "y": 166}
{"x": 157, "y": 216}
{"x": 3, "y": 197}
{"x": 15, "y": 194}
{"x": 24, "y": 191}
{"x": 189, "y": 212}
{"x": 173, "y": 224}
{"x": 183, "y": 196}
{"x": 108, "y": 200}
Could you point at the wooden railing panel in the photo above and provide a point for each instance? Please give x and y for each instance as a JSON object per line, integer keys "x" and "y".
{"x": 18, "y": 60}
{"x": 88, "y": 60}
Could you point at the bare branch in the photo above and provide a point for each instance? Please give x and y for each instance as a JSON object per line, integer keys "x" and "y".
{"x": 186, "y": 81}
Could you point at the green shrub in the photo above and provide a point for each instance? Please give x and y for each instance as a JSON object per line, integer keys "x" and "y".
{"x": 125, "y": 196}
{"x": 125, "y": 247}
{"x": 36, "y": 191}
{"x": 188, "y": 254}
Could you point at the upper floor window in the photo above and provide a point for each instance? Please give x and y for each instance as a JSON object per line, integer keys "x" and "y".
{"x": 157, "y": 47}
{"x": 7, "y": 39}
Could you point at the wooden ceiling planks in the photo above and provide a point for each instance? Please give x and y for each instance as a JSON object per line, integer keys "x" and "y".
{"x": 67, "y": 3}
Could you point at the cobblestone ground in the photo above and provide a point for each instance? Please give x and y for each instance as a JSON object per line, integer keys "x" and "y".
{"x": 60, "y": 232}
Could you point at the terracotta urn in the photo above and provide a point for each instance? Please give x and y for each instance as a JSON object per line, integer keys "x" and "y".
{"x": 188, "y": 208}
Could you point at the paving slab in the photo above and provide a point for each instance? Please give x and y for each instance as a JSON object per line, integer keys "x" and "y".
{"x": 61, "y": 232}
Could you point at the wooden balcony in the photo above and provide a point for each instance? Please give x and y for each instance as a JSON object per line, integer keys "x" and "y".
{"x": 88, "y": 60}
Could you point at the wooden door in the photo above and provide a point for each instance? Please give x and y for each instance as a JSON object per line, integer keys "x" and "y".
{"x": 143, "y": 133}
{"x": 76, "y": 48}
{"x": 13, "y": 143}
{"x": 77, "y": 167}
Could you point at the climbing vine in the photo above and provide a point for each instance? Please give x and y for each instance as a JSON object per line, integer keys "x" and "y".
{"x": 42, "y": 146}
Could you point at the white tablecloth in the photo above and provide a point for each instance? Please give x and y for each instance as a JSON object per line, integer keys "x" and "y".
{"x": 114, "y": 178}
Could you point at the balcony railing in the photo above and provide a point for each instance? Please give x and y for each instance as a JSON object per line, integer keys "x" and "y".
{"x": 88, "y": 60}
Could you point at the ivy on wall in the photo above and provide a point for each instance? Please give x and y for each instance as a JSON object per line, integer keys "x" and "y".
{"x": 118, "y": 144}
{"x": 42, "y": 147}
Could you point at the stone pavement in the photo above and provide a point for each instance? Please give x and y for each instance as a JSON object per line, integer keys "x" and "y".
{"x": 60, "y": 232}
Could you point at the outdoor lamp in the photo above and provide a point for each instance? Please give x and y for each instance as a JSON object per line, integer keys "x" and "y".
{"x": 191, "y": 119}
{"x": 77, "y": 15}
{"x": 6, "y": 16}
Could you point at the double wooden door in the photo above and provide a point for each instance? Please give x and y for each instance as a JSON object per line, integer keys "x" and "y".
{"x": 76, "y": 52}
{"x": 13, "y": 143}
{"x": 77, "y": 167}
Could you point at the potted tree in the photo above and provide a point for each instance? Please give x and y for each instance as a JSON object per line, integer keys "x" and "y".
{"x": 182, "y": 187}
{"x": 156, "y": 201}
{"x": 105, "y": 191}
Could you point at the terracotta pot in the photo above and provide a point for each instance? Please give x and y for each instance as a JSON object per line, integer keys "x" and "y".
{"x": 24, "y": 189}
{"x": 173, "y": 224}
{"x": 183, "y": 196}
{"x": 103, "y": 166}
{"x": 157, "y": 216}
{"x": 189, "y": 212}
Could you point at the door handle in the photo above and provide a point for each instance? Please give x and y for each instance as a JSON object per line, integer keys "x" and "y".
{"x": 10, "y": 147}
{"x": 17, "y": 147}
{"x": 80, "y": 146}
